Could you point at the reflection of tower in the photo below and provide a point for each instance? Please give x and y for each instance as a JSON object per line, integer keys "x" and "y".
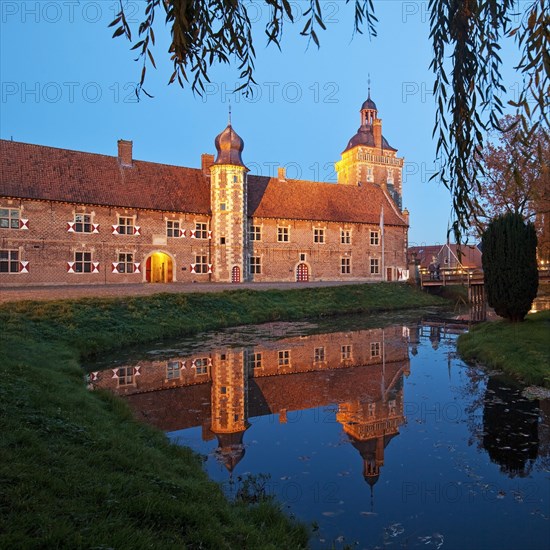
{"x": 371, "y": 425}
{"x": 228, "y": 405}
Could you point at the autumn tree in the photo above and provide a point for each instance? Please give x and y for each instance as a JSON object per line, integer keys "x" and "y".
{"x": 516, "y": 177}
{"x": 466, "y": 35}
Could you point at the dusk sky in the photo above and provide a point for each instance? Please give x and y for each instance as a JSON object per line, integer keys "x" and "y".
{"x": 66, "y": 83}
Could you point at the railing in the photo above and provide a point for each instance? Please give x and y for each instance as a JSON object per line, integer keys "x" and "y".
{"x": 447, "y": 277}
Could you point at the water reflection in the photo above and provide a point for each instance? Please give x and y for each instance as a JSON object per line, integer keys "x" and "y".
{"x": 382, "y": 437}
{"x": 511, "y": 425}
{"x": 220, "y": 390}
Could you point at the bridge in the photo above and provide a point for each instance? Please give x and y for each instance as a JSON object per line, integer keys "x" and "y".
{"x": 465, "y": 276}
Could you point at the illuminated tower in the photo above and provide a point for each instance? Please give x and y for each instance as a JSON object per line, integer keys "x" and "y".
{"x": 369, "y": 157}
{"x": 228, "y": 196}
{"x": 229, "y": 405}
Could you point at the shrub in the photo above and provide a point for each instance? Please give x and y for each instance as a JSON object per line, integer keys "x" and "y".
{"x": 510, "y": 266}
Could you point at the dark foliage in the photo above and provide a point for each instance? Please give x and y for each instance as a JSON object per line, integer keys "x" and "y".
{"x": 510, "y": 265}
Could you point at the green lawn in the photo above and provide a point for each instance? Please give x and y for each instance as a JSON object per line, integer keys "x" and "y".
{"x": 519, "y": 349}
{"x": 78, "y": 472}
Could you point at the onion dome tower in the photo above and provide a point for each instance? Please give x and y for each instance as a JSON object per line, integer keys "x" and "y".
{"x": 228, "y": 200}
{"x": 369, "y": 158}
{"x": 229, "y": 147}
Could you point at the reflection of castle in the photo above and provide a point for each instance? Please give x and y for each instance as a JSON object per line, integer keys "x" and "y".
{"x": 361, "y": 371}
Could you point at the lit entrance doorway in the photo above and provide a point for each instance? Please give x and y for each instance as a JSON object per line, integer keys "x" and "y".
{"x": 236, "y": 274}
{"x": 158, "y": 268}
{"x": 302, "y": 273}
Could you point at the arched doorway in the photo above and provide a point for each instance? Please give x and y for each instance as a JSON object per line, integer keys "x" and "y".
{"x": 302, "y": 273}
{"x": 159, "y": 268}
{"x": 236, "y": 274}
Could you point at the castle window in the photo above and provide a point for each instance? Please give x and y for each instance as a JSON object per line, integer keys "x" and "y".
{"x": 125, "y": 376}
{"x": 255, "y": 361}
{"x": 222, "y": 240}
{"x": 173, "y": 370}
{"x": 201, "y": 264}
{"x": 201, "y": 231}
{"x": 371, "y": 409}
{"x": 255, "y": 233}
{"x": 125, "y": 262}
{"x": 375, "y": 349}
{"x": 282, "y": 234}
{"x": 223, "y": 206}
{"x": 82, "y": 262}
{"x": 9, "y": 218}
{"x": 370, "y": 173}
{"x": 375, "y": 238}
{"x": 345, "y": 352}
{"x": 345, "y": 266}
{"x": 125, "y": 225}
{"x": 201, "y": 365}
{"x": 345, "y": 236}
{"x": 284, "y": 358}
{"x": 172, "y": 228}
{"x": 82, "y": 223}
{"x": 319, "y": 355}
{"x": 302, "y": 257}
{"x": 235, "y": 179}
{"x": 9, "y": 261}
{"x": 318, "y": 235}
{"x": 255, "y": 265}
{"x": 374, "y": 266}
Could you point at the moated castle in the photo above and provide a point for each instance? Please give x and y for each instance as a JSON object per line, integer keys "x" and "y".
{"x": 69, "y": 217}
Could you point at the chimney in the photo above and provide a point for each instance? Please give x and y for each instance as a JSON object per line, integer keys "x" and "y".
{"x": 125, "y": 152}
{"x": 281, "y": 173}
{"x": 206, "y": 162}
{"x": 377, "y": 131}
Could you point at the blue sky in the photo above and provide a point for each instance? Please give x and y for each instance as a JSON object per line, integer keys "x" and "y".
{"x": 66, "y": 83}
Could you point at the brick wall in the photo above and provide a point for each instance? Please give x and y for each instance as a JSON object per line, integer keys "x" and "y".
{"x": 279, "y": 260}
{"x": 48, "y": 246}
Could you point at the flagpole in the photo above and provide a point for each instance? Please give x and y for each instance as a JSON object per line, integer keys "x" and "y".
{"x": 382, "y": 239}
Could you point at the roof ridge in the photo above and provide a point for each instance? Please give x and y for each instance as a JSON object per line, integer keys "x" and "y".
{"x": 24, "y": 143}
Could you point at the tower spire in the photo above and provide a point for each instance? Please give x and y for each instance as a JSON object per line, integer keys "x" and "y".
{"x": 368, "y": 81}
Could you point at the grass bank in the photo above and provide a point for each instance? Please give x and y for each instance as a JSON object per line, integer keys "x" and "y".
{"x": 519, "y": 349}
{"x": 78, "y": 472}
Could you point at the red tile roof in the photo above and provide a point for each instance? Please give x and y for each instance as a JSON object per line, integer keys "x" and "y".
{"x": 46, "y": 173}
{"x": 310, "y": 200}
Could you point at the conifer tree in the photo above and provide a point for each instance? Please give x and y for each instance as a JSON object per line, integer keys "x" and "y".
{"x": 510, "y": 265}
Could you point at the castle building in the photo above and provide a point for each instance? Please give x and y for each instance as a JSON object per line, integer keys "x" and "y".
{"x": 69, "y": 217}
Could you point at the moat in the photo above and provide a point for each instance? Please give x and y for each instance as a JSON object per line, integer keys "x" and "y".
{"x": 377, "y": 437}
